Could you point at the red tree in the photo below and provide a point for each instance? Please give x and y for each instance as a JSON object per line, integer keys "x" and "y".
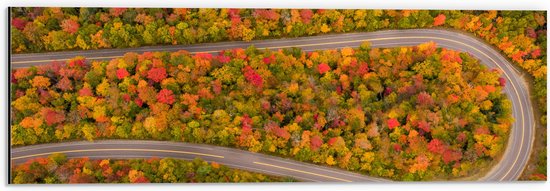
{"x": 397, "y": 147}
{"x": 424, "y": 99}
{"x": 224, "y": 59}
{"x": 70, "y": 26}
{"x": 450, "y": 156}
{"x": 217, "y": 86}
{"x": 387, "y": 91}
{"x": 502, "y": 81}
{"x": 436, "y": 146}
{"x": 52, "y": 117}
{"x": 77, "y": 62}
{"x": 234, "y": 13}
{"x": 65, "y": 84}
{"x": 266, "y": 13}
{"x": 166, "y": 96}
{"x": 425, "y": 126}
{"x": 281, "y": 132}
{"x": 530, "y": 32}
{"x": 138, "y": 102}
{"x": 117, "y": 11}
{"x": 204, "y": 56}
{"x": 85, "y": 92}
{"x": 157, "y": 74}
{"x": 246, "y": 124}
{"x": 141, "y": 179}
{"x": 306, "y": 15}
{"x": 332, "y": 140}
{"x": 535, "y": 53}
{"x": 393, "y": 123}
{"x": 253, "y": 77}
{"x": 316, "y": 142}
{"x": 126, "y": 97}
{"x": 122, "y": 73}
{"x": 18, "y": 23}
{"x": 269, "y": 59}
{"x": 322, "y": 68}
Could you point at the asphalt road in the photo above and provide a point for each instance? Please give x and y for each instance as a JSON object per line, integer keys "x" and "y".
{"x": 509, "y": 167}
{"x": 236, "y": 158}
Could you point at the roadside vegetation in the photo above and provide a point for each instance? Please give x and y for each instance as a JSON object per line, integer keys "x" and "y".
{"x": 537, "y": 166}
{"x": 405, "y": 113}
{"x": 58, "y": 169}
{"x": 520, "y": 35}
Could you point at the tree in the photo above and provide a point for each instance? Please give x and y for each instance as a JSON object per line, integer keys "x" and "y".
{"x": 40, "y": 82}
{"x": 166, "y": 96}
{"x": 502, "y": 81}
{"x": 70, "y": 26}
{"x": 253, "y": 77}
{"x": 122, "y": 73}
{"x": 323, "y": 68}
{"x": 393, "y": 123}
{"x": 136, "y": 176}
{"x": 424, "y": 99}
{"x": 421, "y": 165}
{"x": 439, "y": 20}
{"x": 18, "y": 23}
{"x": 157, "y": 74}
{"x": 424, "y": 126}
{"x": 436, "y": 146}
{"x": 451, "y": 156}
{"x": 306, "y": 15}
{"x": 316, "y": 142}
{"x": 65, "y": 84}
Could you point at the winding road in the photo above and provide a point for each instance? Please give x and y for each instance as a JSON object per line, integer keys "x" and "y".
{"x": 509, "y": 167}
{"x": 235, "y": 158}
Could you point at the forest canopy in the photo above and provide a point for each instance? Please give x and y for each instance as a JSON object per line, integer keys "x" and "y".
{"x": 520, "y": 35}
{"x": 404, "y": 113}
{"x": 58, "y": 169}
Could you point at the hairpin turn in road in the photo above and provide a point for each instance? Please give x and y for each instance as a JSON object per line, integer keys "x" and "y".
{"x": 509, "y": 168}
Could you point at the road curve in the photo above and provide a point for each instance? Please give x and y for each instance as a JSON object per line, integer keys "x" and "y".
{"x": 236, "y": 158}
{"x": 509, "y": 167}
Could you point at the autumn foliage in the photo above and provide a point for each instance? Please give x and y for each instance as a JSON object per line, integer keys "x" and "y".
{"x": 520, "y": 35}
{"x": 415, "y": 116}
{"x": 122, "y": 73}
{"x": 156, "y": 74}
{"x": 252, "y": 76}
{"x": 393, "y": 123}
{"x": 323, "y": 68}
{"x": 57, "y": 169}
{"x": 439, "y": 20}
{"x": 166, "y": 96}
